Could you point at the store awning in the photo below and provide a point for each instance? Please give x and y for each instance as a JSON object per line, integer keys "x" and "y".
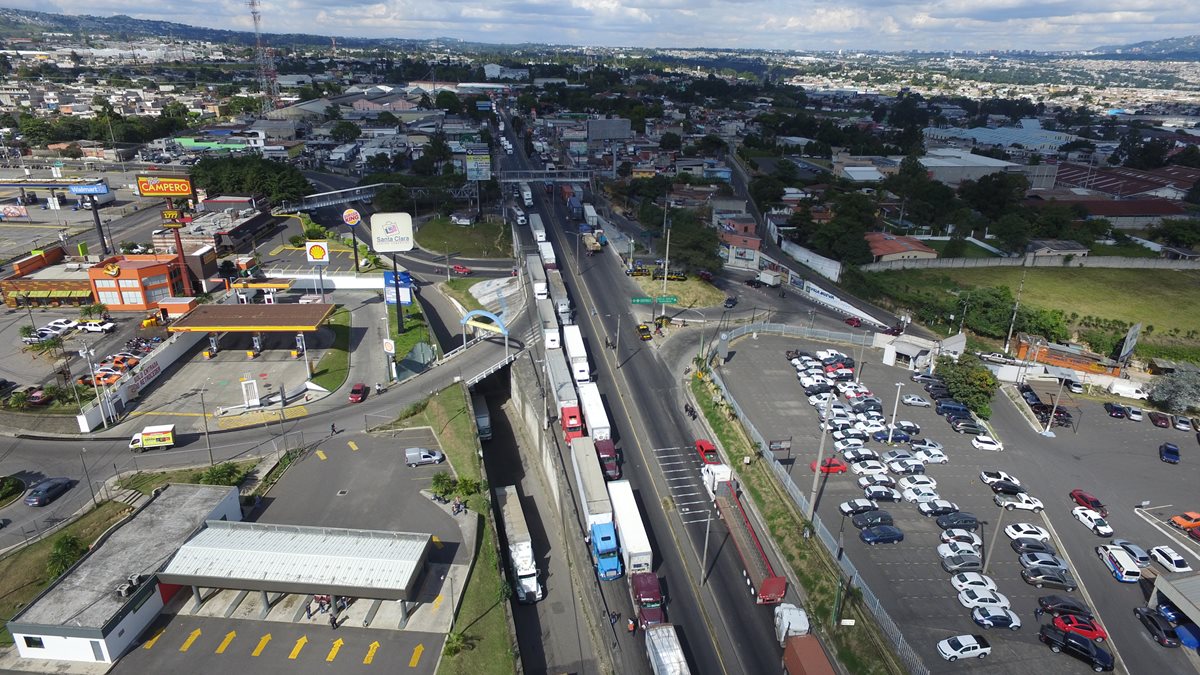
{"x": 81, "y": 294}
{"x": 37, "y": 294}
{"x": 60, "y": 294}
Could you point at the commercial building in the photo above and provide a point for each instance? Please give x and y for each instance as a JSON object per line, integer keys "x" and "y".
{"x": 887, "y": 247}
{"x": 1030, "y": 136}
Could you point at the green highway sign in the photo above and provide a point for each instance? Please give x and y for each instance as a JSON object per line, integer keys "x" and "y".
{"x": 668, "y": 299}
{"x": 642, "y": 301}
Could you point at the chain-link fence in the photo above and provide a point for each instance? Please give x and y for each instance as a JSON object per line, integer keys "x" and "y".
{"x": 911, "y": 660}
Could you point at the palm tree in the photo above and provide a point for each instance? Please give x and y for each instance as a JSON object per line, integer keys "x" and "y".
{"x": 18, "y": 399}
{"x": 27, "y": 331}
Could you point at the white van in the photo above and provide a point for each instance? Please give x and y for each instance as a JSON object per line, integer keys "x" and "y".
{"x": 519, "y": 216}
{"x": 1120, "y": 563}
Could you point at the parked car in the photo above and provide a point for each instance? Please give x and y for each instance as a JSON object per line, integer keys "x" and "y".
{"x": 1031, "y": 545}
{"x": 1088, "y": 500}
{"x": 964, "y": 580}
{"x": 937, "y": 507}
{"x": 953, "y": 548}
{"x": 882, "y": 493}
{"x": 923, "y": 481}
{"x": 882, "y": 480}
{"x": 1159, "y": 419}
{"x": 856, "y": 506}
{"x": 892, "y": 436}
{"x": 1169, "y": 559}
{"x": 915, "y": 401}
{"x": 47, "y": 491}
{"x": 972, "y": 598}
{"x": 1028, "y": 560}
{"x": 1058, "y": 605}
{"x": 1159, "y": 628}
{"x": 1169, "y": 453}
{"x": 420, "y": 456}
{"x": 996, "y": 617}
{"x": 1078, "y": 625}
{"x": 881, "y": 534}
{"x": 1186, "y": 520}
{"x": 1054, "y": 577}
{"x": 1004, "y": 487}
{"x": 1182, "y": 423}
{"x": 920, "y": 495}
{"x": 1017, "y": 501}
{"x": 830, "y": 465}
{"x": 924, "y": 444}
{"x": 1078, "y": 646}
{"x": 1133, "y": 414}
{"x": 985, "y": 442}
{"x": 968, "y": 428}
{"x": 868, "y": 467}
{"x": 1092, "y": 520}
{"x": 871, "y": 519}
{"x": 97, "y": 326}
{"x": 1136, "y": 552}
{"x": 964, "y": 647}
{"x": 906, "y": 467}
{"x": 1115, "y": 410}
{"x": 1018, "y": 530}
{"x": 962, "y": 536}
{"x": 962, "y": 563}
{"x": 963, "y": 520}
{"x": 852, "y": 321}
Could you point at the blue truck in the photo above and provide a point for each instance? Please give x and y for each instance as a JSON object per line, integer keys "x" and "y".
{"x": 596, "y": 509}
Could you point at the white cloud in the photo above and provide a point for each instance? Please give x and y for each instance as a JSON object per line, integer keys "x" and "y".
{"x": 768, "y": 24}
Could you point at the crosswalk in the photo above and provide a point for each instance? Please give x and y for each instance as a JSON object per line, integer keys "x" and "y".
{"x": 681, "y": 472}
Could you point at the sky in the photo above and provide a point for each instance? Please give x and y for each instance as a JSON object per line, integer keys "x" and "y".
{"x": 767, "y": 24}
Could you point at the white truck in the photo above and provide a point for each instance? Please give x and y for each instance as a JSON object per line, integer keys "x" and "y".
{"x": 664, "y": 651}
{"x": 594, "y": 417}
{"x": 537, "y": 277}
{"x": 549, "y": 260}
{"x": 631, "y": 532}
{"x": 1129, "y": 389}
{"x": 158, "y": 436}
{"x": 770, "y": 278}
{"x": 789, "y": 620}
{"x": 522, "y": 563}
{"x": 100, "y": 200}
{"x": 576, "y": 354}
{"x": 590, "y": 216}
{"x": 596, "y": 508}
{"x": 549, "y": 320}
{"x": 536, "y": 228}
{"x": 526, "y": 194}
{"x": 559, "y": 298}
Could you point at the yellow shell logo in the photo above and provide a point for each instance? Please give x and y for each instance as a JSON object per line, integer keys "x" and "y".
{"x": 112, "y": 269}
{"x": 316, "y": 252}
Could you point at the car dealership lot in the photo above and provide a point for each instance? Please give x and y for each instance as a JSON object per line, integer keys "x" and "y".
{"x": 1115, "y": 459}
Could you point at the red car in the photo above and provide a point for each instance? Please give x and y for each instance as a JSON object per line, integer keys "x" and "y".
{"x": 1081, "y": 626}
{"x": 1159, "y": 420}
{"x": 358, "y": 392}
{"x": 461, "y": 270}
{"x": 853, "y": 321}
{"x": 830, "y": 465}
{"x": 1087, "y": 499}
{"x": 708, "y": 452}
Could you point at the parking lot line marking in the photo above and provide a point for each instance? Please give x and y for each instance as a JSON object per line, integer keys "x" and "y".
{"x": 321, "y": 454}
{"x": 437, "y": 602}
{"x": 374, "y": 646}
{"x": 262, "y": 644}
{"x": 298, "y": 647}
{"x": 192, "y": 637}
{"x": 353, "y": 446}
{"x": 151, "y": 641}
{"x": 333, "y": 651}
{"x": 225, "y": 643}
{"x": 416, "y": 656}
{"x": 437, "y": 542}
{"x": 1169, "y": 531}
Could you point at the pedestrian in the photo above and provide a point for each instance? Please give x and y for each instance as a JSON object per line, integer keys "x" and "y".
{"x": 308, "y": 610}
{"x": 1038, "y": 612}
{"x": 612, "y": 618}
{"x": 333, "y": 429}
{"x": 333, "y": 620}
{"x": 378, "y": 388}
{"x": 632, "y": 628}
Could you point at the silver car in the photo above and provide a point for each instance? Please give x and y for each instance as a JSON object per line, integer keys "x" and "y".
{"x": 1028, "y": 560}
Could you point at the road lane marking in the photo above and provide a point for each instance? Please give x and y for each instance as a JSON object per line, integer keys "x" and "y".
{"x": 225, "y": 643}
{"x": 370, "y": 657}
{"x": 321, "y": 455}
{"x": 353, "y": 446}
{"x": 298, "y": 647}
{"x": 192, "y": 637}
{"x": 416, "y": 656}
{"x": 150, "y": 643}
{"x": 333, "y": 651}
{"x": 262, "y": 644}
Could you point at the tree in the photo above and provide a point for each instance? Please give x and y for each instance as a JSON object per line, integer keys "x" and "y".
{"x": 1176, "y": 392}
{"x": 1013, "y": 231}
{"x": 387, "y": 119}
{"x": 345, "y": 132}
{"x": 333, "y": 112}
{"x": 766, "y": 191}
{"x": 174, "y": 109}
{"x": 72, "y": 151}
{"x": 693, "y": 243}
{"x": 379, "y": 162}
{"x": 448, "y": 101}
{"x": 239, "y": 105}
{"x": 970, "y": 382}
{"x": 67, "y": 550}
{"x": 670, "y": 141}
{"x": 995, "y": 194}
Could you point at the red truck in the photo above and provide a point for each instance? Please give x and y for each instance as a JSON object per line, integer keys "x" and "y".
{"x": 567, "y": 192}
{"x": 609, "y": 463}
{"x": 767, "y": 587}
{"x": 646, "y": 594}
{"x": 803, "y": 655}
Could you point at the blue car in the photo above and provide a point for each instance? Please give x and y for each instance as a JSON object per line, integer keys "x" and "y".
{"x": 897, "y": 436}
{"x": 1167, "y": 611}
{"x": 1169, "y": 453}
{"x": 881, "y": 534}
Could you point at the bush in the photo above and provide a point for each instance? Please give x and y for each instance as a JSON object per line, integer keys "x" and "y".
{"x": 296, "y": 240}
{"x": 9, "y": 486}
{"x": 68, "y": 549}
{"x": 443, "y": 484}
{"x": 221, "y": 474}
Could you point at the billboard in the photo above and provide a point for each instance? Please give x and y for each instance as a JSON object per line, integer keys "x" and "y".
{"x": 164, "y": 186}
{"x": 391, "y": 232}
{"x": 14, "y": 211}
{"x": 317, "y": 251}
{"x": 478, "y": 166}
{"x": 1130, "y": 342}
{"x": 389, "y": 288}
{"x": 93, "y": 189}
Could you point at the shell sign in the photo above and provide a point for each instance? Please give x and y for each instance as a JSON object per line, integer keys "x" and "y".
{"x": 318, "y": 251}
{"x": 164, "y": 186}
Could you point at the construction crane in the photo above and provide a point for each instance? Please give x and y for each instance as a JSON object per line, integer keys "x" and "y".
{"x": 268, "y": 81}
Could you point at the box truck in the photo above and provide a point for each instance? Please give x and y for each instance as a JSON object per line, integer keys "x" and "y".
{"x": 537, "y": 277}
{"x": 522, "y": 564}
{"x": 596, "y": 509}
{"x": 577, "y": 354}
{"x": 549, "y": 321}
{"x": 159, "y": 436}
{"x": 594, "y": 417}
{"x": 566, "y": 400}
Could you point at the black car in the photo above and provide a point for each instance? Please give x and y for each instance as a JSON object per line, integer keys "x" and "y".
{"x": 1060, "y": 641}
{"x": 1058, "y": 605}
{"x": 881, "y": 534}
{"x": 1054, "y": 577}
{"x": 1031, "y": 545}
{"x": 818, "y": 389}
{"x": 962, "y": 520}
{"x": 754, "y": 283}
{"x": 872, "y": 519}
{"x": 1159, "y": 628}
{"x": 1115, "y": 410}
{"x": 730, "y": 302}
{"x": 969, "y": 428}
{"x": 910, "y": 428}
{"x": 47, "y": 491}
{"x": 1003, "y": 487}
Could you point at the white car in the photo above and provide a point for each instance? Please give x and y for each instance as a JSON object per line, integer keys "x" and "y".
{"x": 893, "y": 455}
{"x": 965, "y": 536}
{"x": 964, "y": 647}
{"x": 876, "y": 479}
{"x": 857, "y": 506}
{"x": 859, "y": 454}
{"x": 820, "y": 399}
{"x": 1169, "y": 559}
{"x": 837, "y": 423}
{"x": 849, "y": 433}
{"x": 909, "y": 482}
{"x": 920, "y": 494}
{"x": 990, "y": 477}
{"x": 826, "y": 353}
{"x": 929, "y": 456}
{"x": 870, "y": 427}
{"x": 882, "y": 493}
{"x": 906, "y": 466}
{"x": 1018, "y": 530}
{"x": 952, "y": 548}
{"x": 868, "y": 467}
{"x": 847, "y": 444}
{"x": 982, "y": 442}
{"x": 964, "y": 580}
{"x": 914, "y": 400}
{"x": 869, "y": 416}
{"x": 62, "y": 325}
{"x": 924, "y": 444}
{"x": 1092, "y": 521}
{"x": 971, "y": 598}
{"x": 1018, "y": 501}
{"x": 936, "y": 507}
{"x": 98, "y": 326}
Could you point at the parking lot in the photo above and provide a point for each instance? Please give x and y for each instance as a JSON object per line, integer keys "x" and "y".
{"x": 1114, "y": 459}
{"x": 22, "y": 365}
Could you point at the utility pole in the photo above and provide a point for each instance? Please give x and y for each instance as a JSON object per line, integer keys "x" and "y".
{"x": 812, "y": 496}
{"x": 1012, "y": 324}
{"x": 204, "y": 418}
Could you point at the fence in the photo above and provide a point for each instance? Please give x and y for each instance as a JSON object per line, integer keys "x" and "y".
{"x": 911, "y": 660}
{"x": 1118, "y": 262}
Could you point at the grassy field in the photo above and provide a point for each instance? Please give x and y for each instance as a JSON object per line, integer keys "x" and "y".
{"x": 970, "y": 251}
{"x": 482, "y": 240}
{"x": 1164, "y": 299}
{"x": 480, "y": 618}
{"x": 691, "y": 293}
{"x": 415, "y": 329}
{"x": 460, "y": 290}
{"x": 145, "y": 481}
{"x": 23, "y": 574}
{"x": 331, "y": 371}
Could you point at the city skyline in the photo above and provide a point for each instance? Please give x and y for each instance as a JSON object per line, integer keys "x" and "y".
{"x": 939, "y": 25}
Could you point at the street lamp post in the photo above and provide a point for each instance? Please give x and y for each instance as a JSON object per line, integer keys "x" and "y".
{"x": 812, "y": 319}
{"x": 204, "y": 418}
{"x": 87, "y": 355}
{"x": 992, "y": 544}
{"x": 895, "y": 409}
{"x": 812, "y": 497}
{"x": 87, "y": 476}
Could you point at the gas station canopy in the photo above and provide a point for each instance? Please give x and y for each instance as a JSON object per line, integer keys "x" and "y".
{"x": 290, "y": 317}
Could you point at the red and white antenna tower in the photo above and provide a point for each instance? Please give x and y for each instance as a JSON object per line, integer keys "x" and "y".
{"x": 268, "y": 77}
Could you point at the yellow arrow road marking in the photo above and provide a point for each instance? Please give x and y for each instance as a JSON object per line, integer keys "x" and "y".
{"x": 299, "y": 645}
{"x": 151, "y": 641}
{"x": 437, "y": 543}
{"x": 321, "y": 454}
{"x": 416, "y": 657}
{"x": 371, "y": 653}
{"x": 225, "y": 643}
{"x": 333, "y": 651}
{"x": 437, "y": 602}
{"x": 262, "y": 644}
{"x": 353, "y": 446}
{"x": 192, "y": 637}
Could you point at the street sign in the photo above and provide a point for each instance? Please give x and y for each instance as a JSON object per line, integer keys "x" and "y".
{"x": 317, "y": 252}
{"x": 668, "y": 299}
{"x": 92, "y": 189}
{"x": 642, "y": 301}
{"x": 391, "y": 232}
{"x": 389, "y": 346}
{"x": 351, "y": 217}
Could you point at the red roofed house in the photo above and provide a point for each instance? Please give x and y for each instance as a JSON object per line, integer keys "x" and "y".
{"x": 887, "y": 247}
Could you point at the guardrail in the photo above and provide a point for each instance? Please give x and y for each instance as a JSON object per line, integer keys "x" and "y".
{"x": 494, "y": 367}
